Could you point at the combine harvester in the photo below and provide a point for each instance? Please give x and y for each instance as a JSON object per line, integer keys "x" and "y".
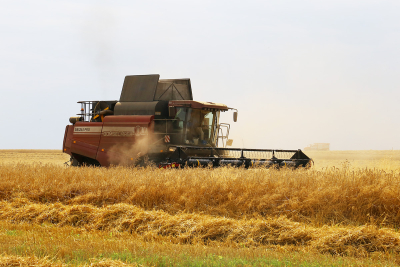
{"x": 158, "y": 120}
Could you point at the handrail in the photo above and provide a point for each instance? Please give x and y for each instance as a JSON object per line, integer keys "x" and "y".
{"x": 222, "y": 136}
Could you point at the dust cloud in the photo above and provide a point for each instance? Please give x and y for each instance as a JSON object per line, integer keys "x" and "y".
{"x": 132, "y": 153}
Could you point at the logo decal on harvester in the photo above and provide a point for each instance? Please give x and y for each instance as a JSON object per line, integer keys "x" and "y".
{"x": 87, "y": 130}
{"x": 125, "y": 131}
{"x": 82, "y": 129}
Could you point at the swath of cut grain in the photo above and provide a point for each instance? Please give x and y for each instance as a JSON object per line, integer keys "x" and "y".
{"x": 195, "y": 228}
{"x": 17, "y": 261}
{"x": 346, "y": 196}
{"x": 110, "y": 263}
{"x": 33, "y": 261}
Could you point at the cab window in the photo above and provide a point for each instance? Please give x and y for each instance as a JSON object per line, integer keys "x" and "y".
{"x": 200, "y": 128}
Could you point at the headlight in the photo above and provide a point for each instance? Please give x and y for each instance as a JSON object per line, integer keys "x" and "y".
{"x": 171, "y": 149}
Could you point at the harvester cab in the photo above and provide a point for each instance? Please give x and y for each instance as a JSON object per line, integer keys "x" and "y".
{"x": 158, "y": 120}
{"x": 196, "y": 123}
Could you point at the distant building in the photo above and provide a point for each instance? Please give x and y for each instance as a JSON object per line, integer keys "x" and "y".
{"x": 318, "y": 147}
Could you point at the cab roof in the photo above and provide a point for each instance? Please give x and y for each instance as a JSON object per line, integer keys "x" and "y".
{"x": 197, "y": 104}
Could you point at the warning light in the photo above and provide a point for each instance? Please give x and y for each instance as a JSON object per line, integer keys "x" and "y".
{"x": 82, "y": 109}
{"x": 102, "y": 150}
{"x": 161, "y": 150}
{"x": 74, "y": 142}
{"x": 65, "y": 149}
{"x": 131, "y": 158}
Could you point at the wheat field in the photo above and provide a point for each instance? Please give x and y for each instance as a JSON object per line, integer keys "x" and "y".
{"x": 345, "y": 210}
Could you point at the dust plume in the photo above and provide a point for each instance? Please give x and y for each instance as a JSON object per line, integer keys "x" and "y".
{"x": 132, "y": 153}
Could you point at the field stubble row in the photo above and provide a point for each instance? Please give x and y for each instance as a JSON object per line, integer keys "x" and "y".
{"x": 193, "y": 228}
{"x": 76, "y": 246}
{"x": 333, "y": 196}
{"x": 33, "y": 261}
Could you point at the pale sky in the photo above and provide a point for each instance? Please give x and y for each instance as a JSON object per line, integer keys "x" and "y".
{"x": 299, "y": 72}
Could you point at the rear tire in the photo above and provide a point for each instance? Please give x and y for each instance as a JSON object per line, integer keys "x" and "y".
{"x": 80, "y": 161}
{"x": 74, "y": 162}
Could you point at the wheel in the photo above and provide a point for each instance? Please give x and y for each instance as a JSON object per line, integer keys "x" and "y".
{"x": 74, "y": 162}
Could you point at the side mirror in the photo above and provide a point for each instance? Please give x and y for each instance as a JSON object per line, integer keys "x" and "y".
{"x": 235, "y": 116}
{"x": 171, "y": 112}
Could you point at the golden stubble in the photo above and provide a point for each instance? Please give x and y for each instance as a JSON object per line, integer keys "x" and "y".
{"x": 333, "y": 196}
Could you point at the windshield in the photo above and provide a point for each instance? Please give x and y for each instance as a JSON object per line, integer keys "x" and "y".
{"x": 198, "y": 126}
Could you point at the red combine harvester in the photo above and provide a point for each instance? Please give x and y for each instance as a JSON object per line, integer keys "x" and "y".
{"x": 158, "y": 121}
